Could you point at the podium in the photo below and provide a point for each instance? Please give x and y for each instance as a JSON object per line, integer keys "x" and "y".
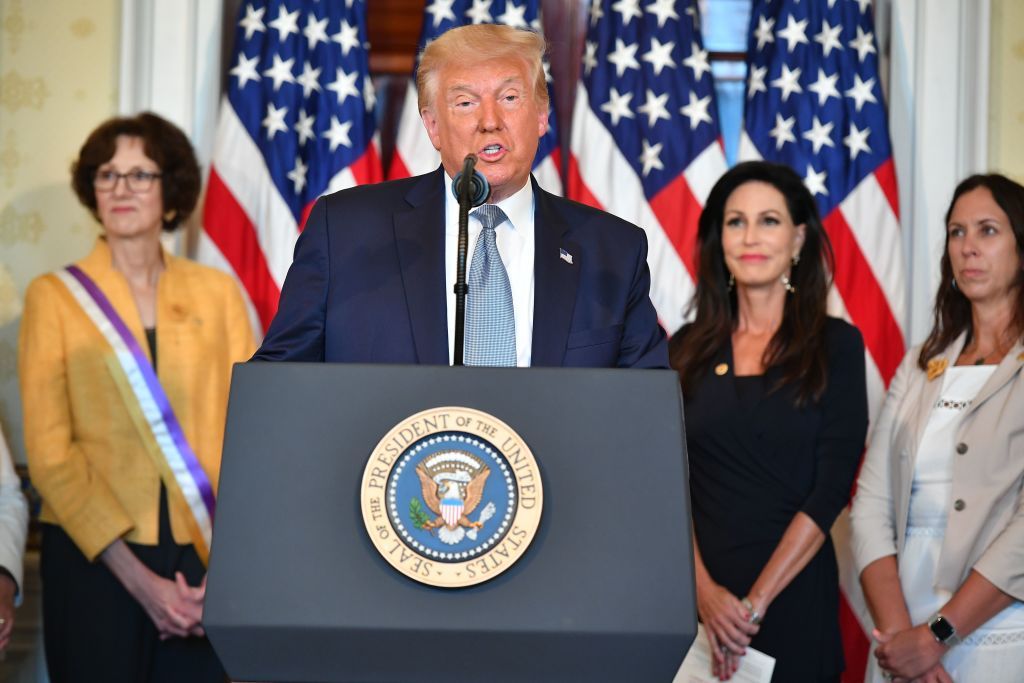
{"x": 298, "y": 593}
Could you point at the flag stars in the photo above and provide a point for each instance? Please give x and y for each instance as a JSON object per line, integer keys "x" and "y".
{"x": 441, "y": 10}
{"x": 788, "y": 82}
{"x": 862, "y": 91}
{"x": 628, "y": 9}
{"x": 274, "y": 120}
{"x": 864, "y": 5}
{"x": 589, "y": 57}
{"x": 756, "y": 84}
{"x": 624, "y": 57}
{"x": 347, "y": 37}
{"x": 857, "y": 141}
{"x": 783, "y": 131}
{"x": 660, "y": 55}
{"x": 650, "y": 157}
{"x": 829, "y": 38}
{"x": 763, "y": 32}
{"x": 280, "y": 72}
{"x": 825, "y": 87}
{"x": 304, "y": 127}
{"x": 617, "y": 106}
{"x": 514, "y": 15}
{"x": 480, "y": 12}
{"x": 338, "y": 133}
{"x": 794, "y": 33}
{"x": 369, "y": 93}
{"x": 596, "y": 12}
{"x": 245, "y": 70}
{"x": 820, "y": 134}
{"x": 697, "y": 110}
{"x": 698, "y": 61}
{"x": 344, "y": 85}
{"x": 253, "y": 21}
{"x": 663, "y": 9}
{"x": 286, "y": 23}
{"x": 863, "y": 43}
{"x": 298, "y": 175}
{"x": 315, "y": 31}
{"x": 308, "y": 79}
{"x": 654, "y": 108}
{"x": 815, "y": 181}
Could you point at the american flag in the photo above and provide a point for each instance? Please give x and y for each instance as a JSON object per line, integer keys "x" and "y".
{"x": 297, "y": 121}
{"x": 814, "y": 101}
{"x": 413, "y": 152}
{"x": 645, "y": 139}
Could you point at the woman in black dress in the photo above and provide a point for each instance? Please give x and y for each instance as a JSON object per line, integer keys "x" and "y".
{"x": 776, "y": 414}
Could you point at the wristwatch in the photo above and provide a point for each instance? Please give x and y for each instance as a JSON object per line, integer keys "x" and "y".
{"x": 943, "y": 631}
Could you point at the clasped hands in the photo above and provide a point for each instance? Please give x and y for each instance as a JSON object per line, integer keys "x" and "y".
{"x": 729, "y": 626}
{"x": 175, "y": 607}
{"x": 911, "y": 655}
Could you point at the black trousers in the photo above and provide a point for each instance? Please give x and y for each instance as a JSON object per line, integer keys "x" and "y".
{"x": 94, "y": 630}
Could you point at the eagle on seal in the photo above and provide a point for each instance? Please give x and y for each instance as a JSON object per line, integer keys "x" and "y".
{"x": 452, "y": 501}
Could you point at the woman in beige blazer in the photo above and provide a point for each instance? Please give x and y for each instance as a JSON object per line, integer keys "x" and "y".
{"x": 125, "y": 362}
{"x": 938, "y": 517}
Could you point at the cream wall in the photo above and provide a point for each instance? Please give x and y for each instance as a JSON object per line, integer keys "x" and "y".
{"x": 58, "y": 79}
{"x": 1006, "y": 96}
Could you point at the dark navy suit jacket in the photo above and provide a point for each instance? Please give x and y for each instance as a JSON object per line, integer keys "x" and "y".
{"x": 368, "y": 283}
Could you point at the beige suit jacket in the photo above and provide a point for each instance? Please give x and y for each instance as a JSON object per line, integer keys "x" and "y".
{"x": 985, "y": 521}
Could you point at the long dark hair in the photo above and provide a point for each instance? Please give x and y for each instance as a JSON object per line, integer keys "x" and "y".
{"x": 952, "y": 309}
{"x": 798, "y": 346}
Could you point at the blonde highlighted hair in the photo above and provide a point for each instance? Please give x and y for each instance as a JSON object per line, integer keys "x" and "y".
{"x": 482, "y": 43}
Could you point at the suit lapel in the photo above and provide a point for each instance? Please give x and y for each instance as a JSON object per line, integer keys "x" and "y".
{"x": 419, "y": 238}
{"x": 1004, "y": 372}
{"x": 929, "y": 395}
{"x": 555, "y": 282}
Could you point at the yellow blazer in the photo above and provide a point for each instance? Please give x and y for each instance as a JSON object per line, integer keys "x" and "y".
{"x": 85, "y": 454}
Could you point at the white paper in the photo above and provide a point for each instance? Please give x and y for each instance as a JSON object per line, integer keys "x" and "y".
{"x": 755, "y": 666}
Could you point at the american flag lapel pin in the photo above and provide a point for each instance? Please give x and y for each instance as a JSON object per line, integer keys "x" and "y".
{"x": 565, "y": 256}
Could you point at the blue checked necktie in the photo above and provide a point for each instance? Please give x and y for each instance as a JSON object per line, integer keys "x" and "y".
{"x": 490, "y": 322}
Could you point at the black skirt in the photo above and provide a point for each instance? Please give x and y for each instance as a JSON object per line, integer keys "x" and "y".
{"x": 94, "y": 630}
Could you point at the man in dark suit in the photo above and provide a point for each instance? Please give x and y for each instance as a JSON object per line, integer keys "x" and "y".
{"x": 374, "y": 268}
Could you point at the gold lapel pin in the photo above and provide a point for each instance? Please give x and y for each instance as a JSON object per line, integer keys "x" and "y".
{"x": 721, "y": 369}
{"x": 936, "y": 366}
{"x": 1021, "y": 357}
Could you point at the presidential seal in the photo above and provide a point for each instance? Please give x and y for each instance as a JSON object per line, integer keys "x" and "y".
{"x": 451, "y": 497}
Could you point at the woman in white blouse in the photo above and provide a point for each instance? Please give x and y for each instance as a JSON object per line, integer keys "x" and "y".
{"x": 938, "y": 518}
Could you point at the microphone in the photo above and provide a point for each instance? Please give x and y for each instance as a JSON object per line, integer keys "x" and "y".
{"x": 478, "y": 189}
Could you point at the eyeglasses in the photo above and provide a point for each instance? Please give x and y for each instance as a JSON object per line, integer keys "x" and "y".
{"x": 136, "y": 180}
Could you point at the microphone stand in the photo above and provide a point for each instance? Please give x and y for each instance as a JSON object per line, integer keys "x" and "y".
{"x": 461, "y": 288}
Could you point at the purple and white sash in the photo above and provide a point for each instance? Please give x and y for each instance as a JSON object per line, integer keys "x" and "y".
{"x": 179, "y": 467}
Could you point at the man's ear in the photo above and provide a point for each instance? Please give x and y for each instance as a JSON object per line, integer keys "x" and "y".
{"x": 542, "y": 123}
{"x": 432, "y": 125}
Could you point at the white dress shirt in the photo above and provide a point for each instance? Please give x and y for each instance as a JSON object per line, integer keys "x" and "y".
{"x": 515, "y": 246}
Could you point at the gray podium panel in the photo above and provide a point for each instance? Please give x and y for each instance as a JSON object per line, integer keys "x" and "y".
{"x": 297, "y": 592}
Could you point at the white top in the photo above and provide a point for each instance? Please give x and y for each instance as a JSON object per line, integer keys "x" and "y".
{"x": 933, "y": 472}
{"x": 515, "y": 240}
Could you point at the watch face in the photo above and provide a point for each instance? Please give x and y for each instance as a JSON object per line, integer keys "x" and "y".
{"x": 942, "y": 629}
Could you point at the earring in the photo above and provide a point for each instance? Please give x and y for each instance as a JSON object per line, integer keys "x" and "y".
{"x": 787, "y": 284}
{"x": 169, "y": 216}
{"x": 796, "y": 259}
{"x": 732, "y": 281}
{"x": 952, "y": 282}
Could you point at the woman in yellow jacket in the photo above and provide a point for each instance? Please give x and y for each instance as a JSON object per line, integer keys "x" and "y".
{"x": 125, "y": 363}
